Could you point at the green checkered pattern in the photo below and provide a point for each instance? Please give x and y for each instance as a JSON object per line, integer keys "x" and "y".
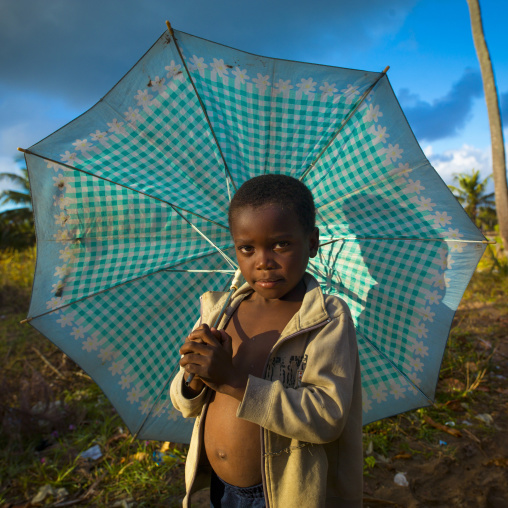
{"x": 118, "y": 235}
{"x": 147, "y": 302}
{"x": 268, "y": 132}
{"x": 143, "y": 232}
{"x": 166, "y": 153}
{"x": 144, "y": 354}
{"x": 384, "y": 288}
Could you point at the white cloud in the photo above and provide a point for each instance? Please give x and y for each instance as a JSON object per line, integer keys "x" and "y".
{"x": 462, "y": 160}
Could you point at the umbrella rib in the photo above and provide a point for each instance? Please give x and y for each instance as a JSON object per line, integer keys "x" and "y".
{"x": 394, "y": 365}
{"x": 197, "y": 271}
{"x": 219, "y": 250}
{"x": 272, "y": 106}
{"x": 351, "y": 294}
{"x": 403, "y": 238}
{"x": 343, "y": 124}
{"x": 382, "y": 178}
{"x": 164, "y": 269}
{"x": 203, "y": 108}
{"x": 175, "y": 207}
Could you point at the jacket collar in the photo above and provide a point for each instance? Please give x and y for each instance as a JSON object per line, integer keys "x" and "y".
{"x": 312, "y": 311}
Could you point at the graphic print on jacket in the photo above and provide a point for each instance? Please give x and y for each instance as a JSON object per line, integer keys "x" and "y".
{"x": 289, "y": 373}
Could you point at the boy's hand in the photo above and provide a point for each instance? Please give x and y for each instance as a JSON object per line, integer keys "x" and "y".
{"x": 196, "y": 385}
{"x": 208, "y": 355}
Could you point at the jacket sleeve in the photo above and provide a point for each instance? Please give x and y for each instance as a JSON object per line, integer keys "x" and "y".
{"x": 190, "y": 408}
{"x": 318, "y": 410}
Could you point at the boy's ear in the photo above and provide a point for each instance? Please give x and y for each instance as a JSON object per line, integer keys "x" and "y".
{"x": 314, "y": 242}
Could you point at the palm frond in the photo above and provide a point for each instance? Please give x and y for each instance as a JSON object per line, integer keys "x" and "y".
{"x": 16, "y": 197}
{"x": 18, "y": 180}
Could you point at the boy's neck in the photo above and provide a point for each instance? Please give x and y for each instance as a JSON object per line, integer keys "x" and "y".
{"x": 293, "y": 297}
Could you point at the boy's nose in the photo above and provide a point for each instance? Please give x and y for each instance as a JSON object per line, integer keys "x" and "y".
{"x": 265, "y": 261}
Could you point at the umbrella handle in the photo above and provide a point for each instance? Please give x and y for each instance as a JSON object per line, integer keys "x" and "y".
{"x": 232, "y": 289}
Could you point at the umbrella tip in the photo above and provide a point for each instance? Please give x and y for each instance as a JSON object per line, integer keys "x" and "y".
{"x": 386, "y": 69}
{"x": 236, "y": 280}
{"x": 22, "y": 150}
{"x": 170, "y": 28}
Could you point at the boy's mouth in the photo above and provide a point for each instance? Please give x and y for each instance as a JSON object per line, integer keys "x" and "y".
{"x": 268, "y": 283}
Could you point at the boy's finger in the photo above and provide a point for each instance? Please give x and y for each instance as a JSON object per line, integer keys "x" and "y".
{"x": 192, "y": 359}
{"x": 226, "y": 341}
{"x": 204, "y": 334}
{"x": 217, "y": 333}
{"x": 195, "y": 347}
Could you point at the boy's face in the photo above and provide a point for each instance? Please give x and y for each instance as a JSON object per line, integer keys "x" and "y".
{"x": 272, "y": 249}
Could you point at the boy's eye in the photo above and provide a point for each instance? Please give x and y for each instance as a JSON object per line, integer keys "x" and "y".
{"x": 281, "y": 245}
{"x": 245, "y": 248}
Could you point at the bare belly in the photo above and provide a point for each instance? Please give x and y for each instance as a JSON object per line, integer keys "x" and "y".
{"x": 232, "y": 445}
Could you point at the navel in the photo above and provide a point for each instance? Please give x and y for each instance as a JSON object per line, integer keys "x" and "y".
{"x": 222, "y": 455}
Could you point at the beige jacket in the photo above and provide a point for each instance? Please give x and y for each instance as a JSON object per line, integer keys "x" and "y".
{"x": 308, "y": 406}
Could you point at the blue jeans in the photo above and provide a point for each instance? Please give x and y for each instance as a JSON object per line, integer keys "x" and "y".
{"x": 224, "y": 495}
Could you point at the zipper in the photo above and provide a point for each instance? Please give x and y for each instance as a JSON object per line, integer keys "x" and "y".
{"x": 201, "y": 417}
{"x": 201, "y": 442}
{"x": 262, "y": 430}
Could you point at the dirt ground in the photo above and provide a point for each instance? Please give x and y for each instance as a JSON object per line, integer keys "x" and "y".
{"x": 471, "y": 469}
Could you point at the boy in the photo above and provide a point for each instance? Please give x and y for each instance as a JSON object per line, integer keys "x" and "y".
{"x": 281, "y": 381}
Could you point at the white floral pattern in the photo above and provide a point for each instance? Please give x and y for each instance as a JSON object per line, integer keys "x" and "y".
{"x": 240, "y": 76}
{"x": 262, "y": 82}
{"x": 327, "y": 90}
{"x": 307, "y": 85}
{"x": 219, "y": 67}
{"x": 284, "y": 87}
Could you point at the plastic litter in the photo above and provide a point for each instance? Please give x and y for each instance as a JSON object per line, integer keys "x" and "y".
{"x": 485, "y": 418}
{"x": 48, "y": 491}
{"x": 442, "y": 443}
{"x": 92, "y": 453}
{"x": 400, "y": 479}
{"x": 42, "y": 494}
{"x": 163, "y": 458}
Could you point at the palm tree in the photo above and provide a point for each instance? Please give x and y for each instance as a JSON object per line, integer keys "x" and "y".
{"x": 496, "y": 130}
{"x": 16, "y": 223}
{"x": 471, "y": 193}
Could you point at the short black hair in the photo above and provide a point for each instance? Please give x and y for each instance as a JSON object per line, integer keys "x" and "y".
{"x": 282, "y": 190}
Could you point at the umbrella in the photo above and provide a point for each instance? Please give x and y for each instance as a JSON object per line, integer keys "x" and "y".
{"x": 131, "y": 200}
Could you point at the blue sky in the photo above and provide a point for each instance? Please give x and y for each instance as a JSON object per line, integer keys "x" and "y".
{"x": 58, "y": 58}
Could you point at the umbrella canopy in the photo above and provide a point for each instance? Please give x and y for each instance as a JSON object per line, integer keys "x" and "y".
{"x": 131, "y": 202}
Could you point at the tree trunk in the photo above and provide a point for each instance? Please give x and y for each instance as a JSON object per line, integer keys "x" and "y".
{"x": 496, "y": 130}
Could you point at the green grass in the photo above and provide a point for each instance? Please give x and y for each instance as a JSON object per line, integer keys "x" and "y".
{"x": 45, "y": 451}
